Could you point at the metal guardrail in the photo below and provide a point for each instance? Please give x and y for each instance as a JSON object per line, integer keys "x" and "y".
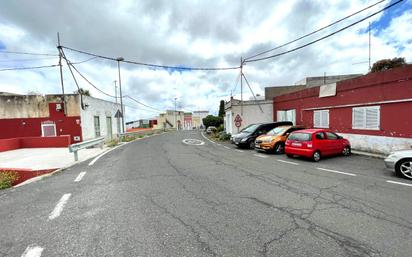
{"x": 74, "y": 148}
{"x": 140, "y": 132}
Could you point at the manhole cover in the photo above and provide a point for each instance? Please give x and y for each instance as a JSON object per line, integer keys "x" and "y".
{"x": 190, "y": 141}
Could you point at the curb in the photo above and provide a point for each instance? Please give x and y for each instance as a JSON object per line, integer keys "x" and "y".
{"x": 374, "y": 155}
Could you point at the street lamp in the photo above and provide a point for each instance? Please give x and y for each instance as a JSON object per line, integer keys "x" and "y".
{"x": 175, "y": 115}
{"x": 119, "y": 59}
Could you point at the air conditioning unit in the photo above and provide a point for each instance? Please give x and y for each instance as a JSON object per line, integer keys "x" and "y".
{"x": 76, "y": 138}
{"x": 58, "y": 107}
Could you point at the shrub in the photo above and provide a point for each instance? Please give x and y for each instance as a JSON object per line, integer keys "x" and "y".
{"x": 128, "y": 138}
{"x": 224, "y": 136}
{"x": 220, "y": 128}
{"x": 7, "y": 178}
{"x": 112, "y": 142}
{"x": 141, "y": 136}
{"x": 387, "y": 64}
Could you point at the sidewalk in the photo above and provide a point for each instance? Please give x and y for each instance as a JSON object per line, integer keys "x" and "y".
{"x": 44, "y": 158}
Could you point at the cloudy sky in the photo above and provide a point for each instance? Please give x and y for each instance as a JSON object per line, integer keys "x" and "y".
{"x": 189, "y": 33}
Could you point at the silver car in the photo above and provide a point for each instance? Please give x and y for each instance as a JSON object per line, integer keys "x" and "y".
{"x": 401, "y": 162}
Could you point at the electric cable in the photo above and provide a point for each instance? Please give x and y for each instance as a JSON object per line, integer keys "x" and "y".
{"x": 27, "y": 53}
{"x": 316, "y": 31}
{"x": 324, "y": 37}
{"x": 30, "y": 68}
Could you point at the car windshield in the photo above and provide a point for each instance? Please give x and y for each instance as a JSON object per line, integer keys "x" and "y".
{"x": 250, "y": 129}
{"x": 300, "y": 136}
{"x": 276, "y": 131}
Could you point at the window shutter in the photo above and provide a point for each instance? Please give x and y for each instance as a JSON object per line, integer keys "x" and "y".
{"x": 325, "y": 119}
{"x": 316, "y": 119}
{"x": 372, "y": 117}
{"x": 358, "y": 117}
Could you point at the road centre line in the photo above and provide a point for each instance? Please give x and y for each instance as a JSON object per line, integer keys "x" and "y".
{"x": 59, "y": 206}
{"x": 336, "y": 171}
{"x": 293, "y": 163}
{"x": 260, "y": 155}
{"x": 226, "y": 147}
{"x": 32, "y": 251}
{"x": 240, "y": 151}
{"x": 399, "y": 183}
{"x": 80, "y": 176}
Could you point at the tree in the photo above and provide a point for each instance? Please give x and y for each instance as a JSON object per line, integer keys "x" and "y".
{"x": 82, "y": 92}
{"x": 387, "y": 64}
{"x": 222, "y": 108}
{"x": 211, "y": 120}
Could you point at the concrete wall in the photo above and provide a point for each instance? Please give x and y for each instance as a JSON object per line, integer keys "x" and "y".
{"x": 251, "y": 114}
{"x": 35, "y": 106}
{"x": 324, "y": 80}
{"x": 271, "y": 92}
{"x": 102, "y": 109}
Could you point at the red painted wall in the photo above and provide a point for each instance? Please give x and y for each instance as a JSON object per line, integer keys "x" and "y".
{"x": 395, "y": 119}
{"x": 31, "y": 127}
{"x": 34, "y": 142}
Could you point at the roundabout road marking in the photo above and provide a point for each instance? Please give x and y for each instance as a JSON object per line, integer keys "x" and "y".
{"x": 192, "y": 141}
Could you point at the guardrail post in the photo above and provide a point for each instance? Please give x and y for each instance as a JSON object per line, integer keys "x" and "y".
{"x": 76, "y": 156}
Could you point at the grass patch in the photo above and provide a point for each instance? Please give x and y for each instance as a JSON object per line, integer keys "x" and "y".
{"x": 141, "y": 136}
{"x": 7, "y": 178}
{"x": 112, "y": 143}
{"x": 128, "y": 138}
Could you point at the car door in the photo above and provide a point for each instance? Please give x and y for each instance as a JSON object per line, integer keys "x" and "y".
{"x": 334, "y": 143}
{"x": 321, "y": 143}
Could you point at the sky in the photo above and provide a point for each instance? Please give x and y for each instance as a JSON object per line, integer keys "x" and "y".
{"x": 191, "y": 33}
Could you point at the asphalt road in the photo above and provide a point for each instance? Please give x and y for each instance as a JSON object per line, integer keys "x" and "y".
{"x": 161, "y": 197}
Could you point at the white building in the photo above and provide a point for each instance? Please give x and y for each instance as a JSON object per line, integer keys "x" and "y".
{"x": 249, "y": 112}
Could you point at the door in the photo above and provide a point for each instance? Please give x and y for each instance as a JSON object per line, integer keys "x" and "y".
{"x": 322, "y": 143}
{"x": 109, "y": 128}
{"x": 96, "y": 126}
{"x": 334, "y": 143}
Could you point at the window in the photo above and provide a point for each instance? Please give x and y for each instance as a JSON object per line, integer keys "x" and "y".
{"x": 96, "y": 126}
{"x": 287, "y": 115}
{"x": 331, "y": 136}
{"x": 48, "y": 129}
{"x": 321, "y": 119}
{"x": 300, "y": 136}
{"x": 320, "y": 135}
{"x": 366, "y": 117}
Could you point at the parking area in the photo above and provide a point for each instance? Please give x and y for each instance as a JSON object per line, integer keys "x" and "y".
{"x": 355, "y": 165}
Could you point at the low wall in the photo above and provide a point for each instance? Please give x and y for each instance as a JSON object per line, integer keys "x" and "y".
{"x": 34, "y": 142}
{"x": 377, "y": 144}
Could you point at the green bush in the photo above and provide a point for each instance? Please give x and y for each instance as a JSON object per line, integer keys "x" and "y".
{"x": 112, "y": 143}
{"x": 7, "y": 178}
{"x": 224, "y": 136}
{"x": 128, "y": 138}
{"x": 141, "y": 136}
{"x": 211, "y": 120}
{"x": 220, "y": 128}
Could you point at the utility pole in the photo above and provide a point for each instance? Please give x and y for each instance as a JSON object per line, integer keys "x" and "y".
{"x": 115, "y": 91}
{"x": 119, "y": 59}
{"x": 61, "y": 73}
{"x": 241, "y": 86}
{"x": 370, "y": 67}
{"x": 175, "y": 114}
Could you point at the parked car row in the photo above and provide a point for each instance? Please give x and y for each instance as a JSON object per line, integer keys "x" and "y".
{"x": 283, "y": 137}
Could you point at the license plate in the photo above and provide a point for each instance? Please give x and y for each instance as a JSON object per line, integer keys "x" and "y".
{"x": 296, "y": 144}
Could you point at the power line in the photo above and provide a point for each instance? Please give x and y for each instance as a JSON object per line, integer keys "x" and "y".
{"x": 155, "y": 65}
{"x": 324, "y": 37}
{"x": 27, "y": 53}
{"x": 27, "y": 60}
{"x": 131, "y": 98}
{"x": 316, "y": 31}
{"x": 30, "y": 68}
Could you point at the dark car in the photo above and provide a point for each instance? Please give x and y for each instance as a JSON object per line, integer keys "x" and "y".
{"x": 246, "y": 137}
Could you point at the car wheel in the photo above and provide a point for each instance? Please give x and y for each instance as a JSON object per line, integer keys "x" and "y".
{"x": 279, "y": 148}
{"x": 289, "y": 155}
{"x": 252, "y": 144}
{"x": 346, "y": 151}
{"x": 316, "y": 156}
{"x": 403, "y": 168}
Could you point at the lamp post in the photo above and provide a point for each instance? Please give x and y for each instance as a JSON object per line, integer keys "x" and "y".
{"x": 175, "y": 115}
{"x": 119, "y": 59}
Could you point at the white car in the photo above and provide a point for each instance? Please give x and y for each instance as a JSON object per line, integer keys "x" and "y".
{"x": 401, "y": 161}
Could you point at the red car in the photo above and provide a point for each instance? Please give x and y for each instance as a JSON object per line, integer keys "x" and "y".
{"x": 316, "y": 143}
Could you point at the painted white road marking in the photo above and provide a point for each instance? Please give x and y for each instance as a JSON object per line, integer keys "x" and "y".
{"x": 99, "y": 156}
{"x": 226, "y": 147}
{"x": 293, "y": 163}
{"x": 336, "y": 171}
{"x": 32, "y": 251}
{"x": 260, "y": 155}
{"x": 205, "y": 137}
{"x": 237, "y": 150}
{"x": 59, "y": 206}
{"x": 80, "y": 176}
{"x": 399, "y": 183}
{"x": 191, "y": 141}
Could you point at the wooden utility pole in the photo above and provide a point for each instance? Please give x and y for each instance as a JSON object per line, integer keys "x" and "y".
{"x": 61, "y": 73}
{"x": 241, "y": 86}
